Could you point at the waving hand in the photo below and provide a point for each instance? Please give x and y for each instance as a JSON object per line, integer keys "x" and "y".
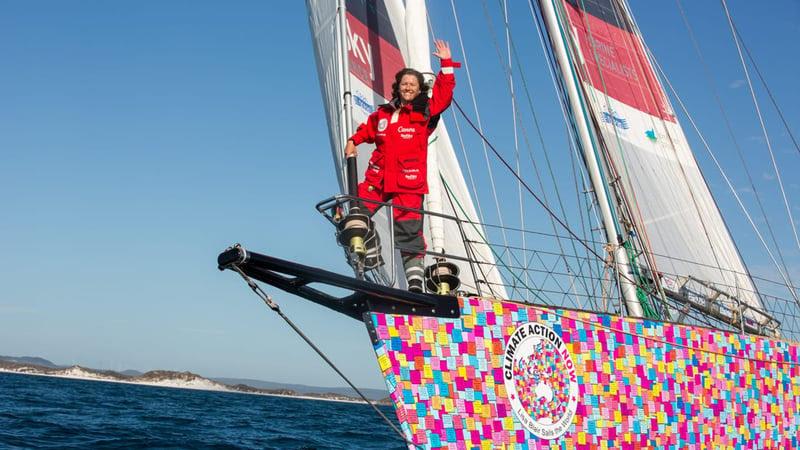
{"x": 442, "y": 50}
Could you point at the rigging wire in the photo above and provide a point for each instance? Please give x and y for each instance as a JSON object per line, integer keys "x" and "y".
{"x": 626, "y": 197}
{"x": 761, "y": 121}
{"x": 484, "y": 143}
{"x": 497, "y": 256}
{"x": 469, "y": 250}
{"x": 508, "y": 69}
{"x": 724, "y": 175}
{"x": 654, "y": 63}
{"x": 514, "y": 127}
{"x": 528, "y": 188}
{"x": 726, "y": 119}
{"x": 461, "y": 140}
{"x": 569, "y": 119}
{"x": 552, "y": 213}
{"x": 541, "y": 202}
{"x": 545, "y": 151}
{"x": 510, "y": 85}
{"x": 478, "y": 118}
{"x": 469, "y": 166}
{"x": 451, "y": 195}
{"x": 569, "y": 125}
{"x": 766, "y": 88}
{"x": 267, "y": 299}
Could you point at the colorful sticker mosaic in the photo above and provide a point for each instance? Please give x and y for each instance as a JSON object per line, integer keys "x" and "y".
{"x": 542, "y": 370}
{"x": 642, "y": 384}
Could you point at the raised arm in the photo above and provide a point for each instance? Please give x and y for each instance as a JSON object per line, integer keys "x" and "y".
{"x": 445, "y": 80}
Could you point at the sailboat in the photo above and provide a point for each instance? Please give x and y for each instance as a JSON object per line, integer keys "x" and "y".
{"x": 674, "y": 347}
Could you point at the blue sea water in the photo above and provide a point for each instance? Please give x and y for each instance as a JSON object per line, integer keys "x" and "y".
{"x": 49, "y": 412}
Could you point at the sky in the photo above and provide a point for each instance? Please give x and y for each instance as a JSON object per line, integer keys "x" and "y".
{"x": 140, "y": 139}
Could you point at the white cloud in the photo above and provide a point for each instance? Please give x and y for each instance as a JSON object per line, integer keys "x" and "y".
{"x": 736, "y": 84}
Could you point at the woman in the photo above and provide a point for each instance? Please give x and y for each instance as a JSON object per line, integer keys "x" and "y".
{"x": 398, "y": 168}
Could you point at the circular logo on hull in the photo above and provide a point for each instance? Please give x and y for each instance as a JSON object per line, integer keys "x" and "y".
{"x": 540, "y": 379}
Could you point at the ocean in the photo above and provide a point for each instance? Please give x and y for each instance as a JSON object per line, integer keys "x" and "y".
{"x": 48, "y": 412}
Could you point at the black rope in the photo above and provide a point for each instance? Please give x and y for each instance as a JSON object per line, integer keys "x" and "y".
{"x": 536, "y": 197}
{"x": 275, "y": 307}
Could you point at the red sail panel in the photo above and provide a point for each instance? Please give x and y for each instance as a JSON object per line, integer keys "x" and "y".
{"x": 372, "y": 48}
{"x": 614, "y": 58}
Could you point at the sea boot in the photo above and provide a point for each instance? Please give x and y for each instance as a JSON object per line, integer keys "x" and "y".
{"x": 415, "y": 273}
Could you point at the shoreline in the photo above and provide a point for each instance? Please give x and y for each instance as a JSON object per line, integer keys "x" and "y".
{"x": 223, "y": 388}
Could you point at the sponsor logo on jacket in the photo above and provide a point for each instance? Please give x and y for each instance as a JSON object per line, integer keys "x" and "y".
{"x": 406, "y": 132}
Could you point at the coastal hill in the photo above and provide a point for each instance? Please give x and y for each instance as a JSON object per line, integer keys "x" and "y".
{"x": 189, "y": 380}
{"x": 30, "y": 360}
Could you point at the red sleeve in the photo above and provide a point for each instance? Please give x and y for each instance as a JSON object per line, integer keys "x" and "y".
{"x": 366, "y": 131}
{"x": 443, "y": 87}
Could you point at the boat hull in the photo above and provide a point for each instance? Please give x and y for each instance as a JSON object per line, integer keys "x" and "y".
{"x": 506, "y": 374}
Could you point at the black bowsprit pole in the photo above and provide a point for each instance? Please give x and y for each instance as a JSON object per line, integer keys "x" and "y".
{"x": 355, "y": 226}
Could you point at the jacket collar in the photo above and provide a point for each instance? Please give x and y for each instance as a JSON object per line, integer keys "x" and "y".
{"x": 418, "y": 108}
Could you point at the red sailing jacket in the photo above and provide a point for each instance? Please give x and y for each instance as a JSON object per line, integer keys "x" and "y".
{"x": 400, "y": 160}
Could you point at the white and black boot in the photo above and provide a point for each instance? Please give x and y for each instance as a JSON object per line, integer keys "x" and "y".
{"x": 415, "y": 274}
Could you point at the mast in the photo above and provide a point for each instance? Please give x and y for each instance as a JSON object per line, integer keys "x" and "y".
{"x": 588, "y": 144}
{"x": 344, "y": 69}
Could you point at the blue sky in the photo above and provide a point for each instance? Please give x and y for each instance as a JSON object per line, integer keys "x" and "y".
{"x": 139, "y": 139}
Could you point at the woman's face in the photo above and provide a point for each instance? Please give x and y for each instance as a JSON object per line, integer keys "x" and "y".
{"x": 409, "y": 88}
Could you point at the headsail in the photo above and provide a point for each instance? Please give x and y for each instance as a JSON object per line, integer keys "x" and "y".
{"x": 377, "y": 47}
{"x": 665, "y": 193}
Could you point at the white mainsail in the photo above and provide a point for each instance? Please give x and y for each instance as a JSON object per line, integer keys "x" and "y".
{"x": 646, "y": 148}
{"x": 377, "y": 46}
